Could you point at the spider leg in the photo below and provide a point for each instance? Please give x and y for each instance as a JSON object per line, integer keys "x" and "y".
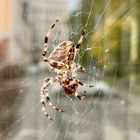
{"x": 81, "y": 68}
{"x": 43, "y": 108}
{"x": 85, "y": 85}
{"x": 81, "y": 97}
{"x": 44, "y": 58}
{"x": 58, "y": 65}
{"x": 45, "y": 89}
{"x": 81, "y": 39}
{"x": 44, "y": 97}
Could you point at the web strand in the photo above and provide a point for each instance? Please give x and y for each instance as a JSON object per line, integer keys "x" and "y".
{"x": 89, "y": 15}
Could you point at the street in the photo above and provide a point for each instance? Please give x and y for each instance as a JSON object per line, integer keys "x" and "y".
{"x": 98, "y": 118}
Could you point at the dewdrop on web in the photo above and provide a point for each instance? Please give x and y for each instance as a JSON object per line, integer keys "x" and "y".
{"x": 107, "y": 50}
{"x": 88, "y": 49}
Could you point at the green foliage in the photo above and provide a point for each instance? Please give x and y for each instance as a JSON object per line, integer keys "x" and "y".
{"x": 108, "y": 28}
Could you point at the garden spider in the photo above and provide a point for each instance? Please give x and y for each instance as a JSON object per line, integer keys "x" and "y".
{"x": 61, "y": 61}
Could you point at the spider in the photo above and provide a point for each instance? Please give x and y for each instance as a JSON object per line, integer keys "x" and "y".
{"x": 61, "y": 61}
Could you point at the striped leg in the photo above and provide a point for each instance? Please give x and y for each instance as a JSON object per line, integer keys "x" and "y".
{"x": 43, "y": 108}
{"x": 81, "y": 97}
{"x": 44, "y": 97}
{"x": 85, "y": 85}
{"x": 81, "y": 39}
{"x": 46, "y": 42}
{"x": 58, "y": 65}
{"x": 81, "y": 68}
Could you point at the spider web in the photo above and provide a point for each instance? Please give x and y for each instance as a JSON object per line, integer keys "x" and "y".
{"x": 100, "y": 116}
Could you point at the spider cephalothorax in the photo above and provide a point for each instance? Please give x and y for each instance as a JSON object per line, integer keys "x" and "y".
{"x": 61, "y": 61}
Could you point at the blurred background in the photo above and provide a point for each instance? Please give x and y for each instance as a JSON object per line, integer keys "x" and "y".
{"x": 110, "y": 53}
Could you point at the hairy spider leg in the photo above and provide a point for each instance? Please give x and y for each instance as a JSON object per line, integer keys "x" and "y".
{"x": 81, "y": 39}
{"x": 44, "y": 97}
{"x": 43, "y": 108}
{"x": 44, "y": 58}
{"x": 79, "y": 67}
{"x": 58, "y": 67}
{"x": 72, "y": 51}
{"x": 81, "y": 97}
{"x": 85, "y": 85}
{"x": 71, "y": 56}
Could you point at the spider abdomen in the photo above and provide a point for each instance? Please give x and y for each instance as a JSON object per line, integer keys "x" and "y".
{"x": 61, "y": 52}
